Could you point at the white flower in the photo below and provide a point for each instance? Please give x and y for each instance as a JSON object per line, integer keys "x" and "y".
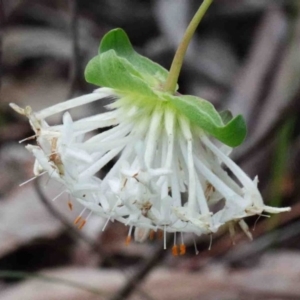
{"x": 167, "y": 173}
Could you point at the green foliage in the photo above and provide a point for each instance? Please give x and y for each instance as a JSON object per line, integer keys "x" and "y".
{"x": 119, "y": 67}
{"x": 118, "y": 40}
{"x": 230, "y": 131}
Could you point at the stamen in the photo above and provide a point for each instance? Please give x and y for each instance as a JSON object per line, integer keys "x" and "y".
{"x": 70, "y": 204}
{"x": 261, "y": 215}
{"x": 231, "y": 232}
{"x": 175, "y": 250}
{"x": 52, "y": 153}
{"x": 76, "y": 221}
{"x": 245, "y": 228}
{"x": 50, "y": 175}
{"x": 125, "y": 182}
{"x": 209, "y": 190}
{"x": 31, "y": 179}
{"x": 254, "y": 226}
{"x": 27, "y": 139}
{"x": 106, "y": 224}
{"x": 210, "y": 242}
{"x": 182, "y": 247}
{"x": 90, "y": 213}
{"x": 175, "y": 247}
{"x": 159, "y": 234}
{"x": 151, "y": 234}
{"x": 79, "y": 217}
{"x": 195, "y": 246}
{"x": 58, "y": 195}
{"x": 128, "y": 238}
{"x": 165, "y": 237}
{"x": 82, "y": 223}
{"x": 141, "y": 234}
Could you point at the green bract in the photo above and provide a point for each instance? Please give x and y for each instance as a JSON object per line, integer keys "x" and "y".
{"x": 119, "y": 67}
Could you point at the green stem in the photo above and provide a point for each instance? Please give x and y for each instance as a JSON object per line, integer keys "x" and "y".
{"x": 172, "y": 79}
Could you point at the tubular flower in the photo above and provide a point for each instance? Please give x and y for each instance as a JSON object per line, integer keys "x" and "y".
{"x": 168, "y": 172}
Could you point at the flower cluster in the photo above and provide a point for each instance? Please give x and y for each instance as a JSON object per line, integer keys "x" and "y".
{"x": 168, "y": 173}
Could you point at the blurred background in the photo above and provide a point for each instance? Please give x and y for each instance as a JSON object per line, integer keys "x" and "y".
{"x": 245, "y": 57}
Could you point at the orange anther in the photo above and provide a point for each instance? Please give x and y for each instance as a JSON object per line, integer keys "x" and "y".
{"x": 175, "y": 250}
{"x": 82, "y": 223}
{"x": 151, "y": 235}
{"x": 128, "y": 240}
{"x": 70, "y": 205}
{"x": 182, "y": 249}
{"x": 159, "y": 234}
{"x": 77, "y": 220}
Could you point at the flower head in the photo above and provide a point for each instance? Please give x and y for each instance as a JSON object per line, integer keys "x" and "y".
{"x": 168, "y": 173}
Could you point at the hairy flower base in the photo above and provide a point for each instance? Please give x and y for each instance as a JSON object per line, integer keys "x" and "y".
{"x": 168, "y": 174}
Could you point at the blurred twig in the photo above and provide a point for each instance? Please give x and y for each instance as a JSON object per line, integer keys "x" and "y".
{"x": 50, "y": 279}
{"x": 283, "y": 115}
{"x": 250, "y": 81}
{"x": 157, "y": 257}
{"x": 75, "y": 67}
{"x": 282, "y": 99}
{"x": 1, "y": 40}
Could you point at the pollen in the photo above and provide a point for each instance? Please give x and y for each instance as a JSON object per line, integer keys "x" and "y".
{"x": 151, "y": 235}
{"x": 77, "y": 220}
{"x": 128, "y": 240}
{"x": 82, "y": 223}
{"x": 175, "y": 250}
{"x": 159, "y": 234}
{"x": 182, "y": 249}
{"x": 70, "y": 205}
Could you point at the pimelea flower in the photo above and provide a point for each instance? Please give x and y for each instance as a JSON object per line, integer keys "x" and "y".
{"x": 168, "y": 172}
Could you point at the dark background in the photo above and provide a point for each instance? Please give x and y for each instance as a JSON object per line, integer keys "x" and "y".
{"x": 244, "y": 57}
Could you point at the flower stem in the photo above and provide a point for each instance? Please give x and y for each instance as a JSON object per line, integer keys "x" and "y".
{"x": 172, "y": 79}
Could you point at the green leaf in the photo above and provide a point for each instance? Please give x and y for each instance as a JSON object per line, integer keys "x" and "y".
{"x": 202, "y": 113}
{"x": 226, "y": 116}
{"x": 115, "y": 72}
{"x": 119, "y": 67}
{"x": 118, "y": 40}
